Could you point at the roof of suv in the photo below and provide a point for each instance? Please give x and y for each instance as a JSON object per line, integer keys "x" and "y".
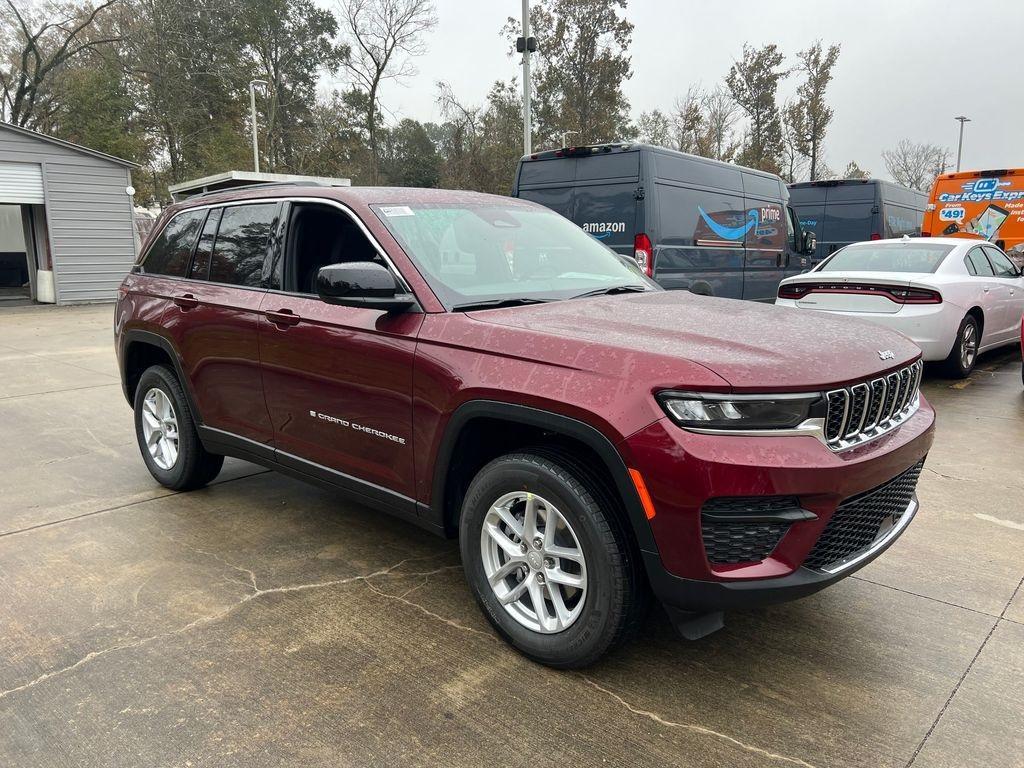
{"x": 361, "y": 195}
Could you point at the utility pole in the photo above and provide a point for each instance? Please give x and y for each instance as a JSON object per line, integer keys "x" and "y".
{"x": 960, "y": 144}
{"x": 526, "y": 45}
{"x": 252, "y": 112}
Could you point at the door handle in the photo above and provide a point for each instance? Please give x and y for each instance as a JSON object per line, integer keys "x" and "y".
{"x": 283, "y": 317}
{"x": 186, "y": 301}
{"x": 984, "y": 290}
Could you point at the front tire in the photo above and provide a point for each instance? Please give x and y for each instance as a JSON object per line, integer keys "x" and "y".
{"x": 166, "y": 433}
{"x": 964, "y": 354}
{"x": 548, "y": 561}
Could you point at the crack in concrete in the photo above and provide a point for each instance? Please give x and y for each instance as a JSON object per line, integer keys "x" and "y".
{"x": 655, "y": 717}
{"x": 635, "y": 710}
{"x": 422, "y": 609}
{"x": 210, "y": 618}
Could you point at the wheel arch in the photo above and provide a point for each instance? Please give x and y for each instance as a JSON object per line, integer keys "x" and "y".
{"x": 143, "y": 349}
{"x": 978, "y": 314}
{"x": 452, "y": 472}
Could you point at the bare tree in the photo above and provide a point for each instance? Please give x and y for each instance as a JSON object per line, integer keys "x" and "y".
{"x": 383, "y": 36}
{"x": 37, "y": 43}
{"x": 794, "y": 162}
{"x": 914, "y": 164}
{"x": 720, "y": 115}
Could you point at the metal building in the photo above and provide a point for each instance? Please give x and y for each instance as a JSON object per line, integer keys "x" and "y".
{"x": 66, "y": 219}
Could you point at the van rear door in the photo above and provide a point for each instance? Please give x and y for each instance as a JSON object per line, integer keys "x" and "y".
{"x": 596, "y": 192}
{"x": 606, "y": 198}
{"x": 851, "y": 216}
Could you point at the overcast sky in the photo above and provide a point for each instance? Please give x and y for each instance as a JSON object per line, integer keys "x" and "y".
{"x": 906, "y": 69}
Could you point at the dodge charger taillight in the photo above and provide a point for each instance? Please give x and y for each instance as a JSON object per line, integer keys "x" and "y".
{"x": 897, "y": 294}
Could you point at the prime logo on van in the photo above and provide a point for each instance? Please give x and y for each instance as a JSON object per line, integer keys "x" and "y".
{"x": 603, "y": 229}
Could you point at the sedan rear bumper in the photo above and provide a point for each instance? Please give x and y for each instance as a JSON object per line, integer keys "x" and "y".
{"x": 932, "y": 327}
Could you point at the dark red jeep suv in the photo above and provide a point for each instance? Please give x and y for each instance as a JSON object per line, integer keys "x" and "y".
{"x": 483, "y": 368}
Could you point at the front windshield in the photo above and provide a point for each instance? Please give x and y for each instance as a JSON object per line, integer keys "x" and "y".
{"x": 887, "y": 257}
{"x": 473, "y": 254}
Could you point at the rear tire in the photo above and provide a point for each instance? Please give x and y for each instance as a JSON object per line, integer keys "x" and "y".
{"x": 964, "y": 354}
{"x": 166, "y": 433}
{"x": 574, "y": 559}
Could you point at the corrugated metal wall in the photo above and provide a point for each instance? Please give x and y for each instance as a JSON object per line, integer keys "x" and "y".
{"x": 88, "y": 213}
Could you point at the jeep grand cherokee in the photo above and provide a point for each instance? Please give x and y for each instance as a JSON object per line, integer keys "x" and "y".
{"x": 481, "y": 367}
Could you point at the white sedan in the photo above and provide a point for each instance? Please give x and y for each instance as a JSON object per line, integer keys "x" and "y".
{"x": 953, "y": 297}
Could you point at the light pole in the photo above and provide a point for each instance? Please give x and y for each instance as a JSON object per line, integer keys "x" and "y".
{"x": 526, "y": 45}
{"x": 960, "y": 144}
{"x": 252, "y": 112}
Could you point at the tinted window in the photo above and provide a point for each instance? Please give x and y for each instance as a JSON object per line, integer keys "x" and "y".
{"x": 887, "y": 257}
{"x": 170, "y": 253}
{"x": 1000, "y": 263}
{"x": 613, "y": 166}
{"x": 980, "y": 263}
{"x": 901, "y": 221}
{"x": 847, "y": 222}
{"x": 241, "y": 245}
{"x": 970, "y": 266}
{"x": 547, "y": 171}
{"x": 201, "y": 261}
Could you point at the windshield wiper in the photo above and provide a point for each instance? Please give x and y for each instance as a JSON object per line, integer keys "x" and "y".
{"x": 614, "y": 289}
{"x": 469, "y": 306}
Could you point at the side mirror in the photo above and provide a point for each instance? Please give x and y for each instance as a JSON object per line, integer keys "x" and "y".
{"x": 363, "y": 284}
{"x": 808, "y": 242}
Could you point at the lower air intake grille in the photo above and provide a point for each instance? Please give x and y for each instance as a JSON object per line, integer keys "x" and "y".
{"x": 744, "y": 541}
{"x": 740, "y": 542}
{"x": 857, "y": 522}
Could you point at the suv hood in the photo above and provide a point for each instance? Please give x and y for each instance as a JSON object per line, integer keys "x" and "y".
{"x": 756, "y": 347}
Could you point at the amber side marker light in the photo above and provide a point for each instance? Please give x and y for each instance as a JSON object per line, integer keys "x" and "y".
{"x": 641, "y": 489}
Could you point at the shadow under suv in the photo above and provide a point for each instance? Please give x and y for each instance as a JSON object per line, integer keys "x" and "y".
{"x": 483, "y": 368}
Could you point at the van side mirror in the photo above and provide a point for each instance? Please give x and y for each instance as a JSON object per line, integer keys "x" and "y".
{"x": 363, "y": 284}
{"x": 808, "y": 242}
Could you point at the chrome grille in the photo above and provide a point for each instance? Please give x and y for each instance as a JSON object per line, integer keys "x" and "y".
{"x": 871, "y": 408}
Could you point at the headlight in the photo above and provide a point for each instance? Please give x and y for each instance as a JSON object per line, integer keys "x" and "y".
{"x": 740, "y": 412}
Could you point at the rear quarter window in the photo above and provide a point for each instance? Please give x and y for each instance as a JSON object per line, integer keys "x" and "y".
{"x": 170, "y": 252}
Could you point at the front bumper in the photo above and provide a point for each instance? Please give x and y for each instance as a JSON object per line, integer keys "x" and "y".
{"x": 714, "y": 596}
{"x": 683, "y": 470}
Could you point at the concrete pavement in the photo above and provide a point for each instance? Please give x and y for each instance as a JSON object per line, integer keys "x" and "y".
{"x": 261, "y": 621}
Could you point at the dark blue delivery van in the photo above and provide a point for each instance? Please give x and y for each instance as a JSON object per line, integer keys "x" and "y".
{"x": 844, "y": 211}
{"x": 691, "y": 223}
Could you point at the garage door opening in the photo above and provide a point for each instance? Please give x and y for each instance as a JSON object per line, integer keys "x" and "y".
{"x": 23, "y": 253}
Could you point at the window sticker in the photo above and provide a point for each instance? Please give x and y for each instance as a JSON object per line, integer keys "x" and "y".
{"x": 396, "y": 210}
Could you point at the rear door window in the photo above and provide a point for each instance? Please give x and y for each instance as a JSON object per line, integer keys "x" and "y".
{"x": 241, "y": 244}
{"x": 980, "y": 263}
{"x": 1002, "y": 266}
{"x": 170, "y": 253}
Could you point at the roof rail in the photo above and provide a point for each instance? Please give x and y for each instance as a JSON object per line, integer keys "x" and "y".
{"x": 262, "y": 185}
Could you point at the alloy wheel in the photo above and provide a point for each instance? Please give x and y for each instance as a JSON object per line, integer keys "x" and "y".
{"x": 534, "y": 562}
{"x": 160, "y": 428}
{"x": 968, "y": 346}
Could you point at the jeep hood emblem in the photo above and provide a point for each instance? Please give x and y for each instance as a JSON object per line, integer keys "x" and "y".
{"x": 886, "y": 354}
